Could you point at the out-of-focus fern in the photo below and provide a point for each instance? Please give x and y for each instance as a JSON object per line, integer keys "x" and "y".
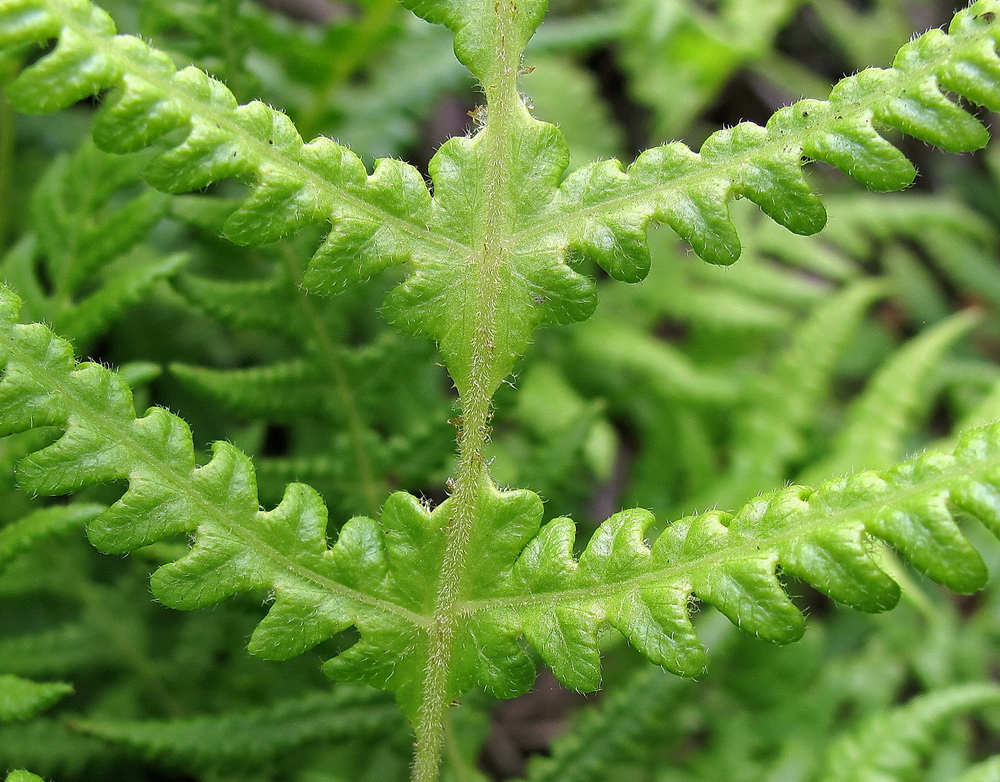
{"x": 891, "y": 746}
{"x": 84, "y": 262}
{"x": 20, "y": 698}
{"x": 247, "y": 739}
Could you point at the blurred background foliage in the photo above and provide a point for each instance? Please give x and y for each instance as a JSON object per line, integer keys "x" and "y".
{"x": 700, "y": 387}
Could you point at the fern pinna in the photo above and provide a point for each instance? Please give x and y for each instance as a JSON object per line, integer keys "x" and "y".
{"x": 443, "y": 596}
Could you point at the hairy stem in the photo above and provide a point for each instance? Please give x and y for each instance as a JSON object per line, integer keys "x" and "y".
{"x": 505, "y": 110}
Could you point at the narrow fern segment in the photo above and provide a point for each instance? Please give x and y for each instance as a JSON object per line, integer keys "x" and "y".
{"x": 28, "y": 531}
{"x": 21, "y": 698}
{"x": 603, "y": 212}
{"x": 884, "y": 414}
{"x": 248, "y": 738}
{"x": 892, "y": 745}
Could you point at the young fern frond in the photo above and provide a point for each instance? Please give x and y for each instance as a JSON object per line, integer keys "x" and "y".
{"x": 84, "y": 262}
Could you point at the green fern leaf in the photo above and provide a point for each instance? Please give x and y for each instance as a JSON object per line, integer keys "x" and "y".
{"x": 92, "y": 315}
{"x": 86, "y": 246}
{"x": 781, "y": 402}
{"x": 256, "y": 304}
{"x": 248, "y": 738}
{"x": 26, "y": 532}
{"x": 891, "y": 746}
{"x": 390, "y": 217}
{"x": 881, "y": 417}
{"x": 284, "y": 391}
{"x": 603, "y": 212}
{"x": 382, "y": 576}
{"x": 21, "y": 698}
{"x": 55, "y": 652}
{"x": 729, "y": 561}
{"x": 631, "y": 356}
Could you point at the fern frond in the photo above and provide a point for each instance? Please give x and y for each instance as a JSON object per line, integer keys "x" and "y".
{"x": 78, "y": 223}
{"x": 599, "y": 211}
{"x": 882, "y": 416}
{"x": 256, "y": 304}
{"x": 247, "y": 738}
{"x": 26, "y": 532}
{"x": 729, "y": 561}
{"x": 524, "y": 580}
{"x": 780, "y": 402}
{"x": 83, "y": 262}
{"x": 603, "y": 212}
{"x": 284, "y": 391}
{"x": 238, "y": 547}
{"x": 629, "y": 356}
{"x": 21, "y": 698}
{"x": 55, "y": 652}
{"x": 954, "y": 239}
{"x": 677, "y": 85}
{"x": 380, "y": 220}
{"x": 892, "y": 745}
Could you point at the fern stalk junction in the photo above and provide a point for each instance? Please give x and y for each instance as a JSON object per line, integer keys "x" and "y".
{"x": 505, "y": 110}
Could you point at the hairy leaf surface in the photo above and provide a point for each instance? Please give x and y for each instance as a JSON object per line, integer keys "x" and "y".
{"x": 600, "y": 211}
{"x": 521, "y": 579}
